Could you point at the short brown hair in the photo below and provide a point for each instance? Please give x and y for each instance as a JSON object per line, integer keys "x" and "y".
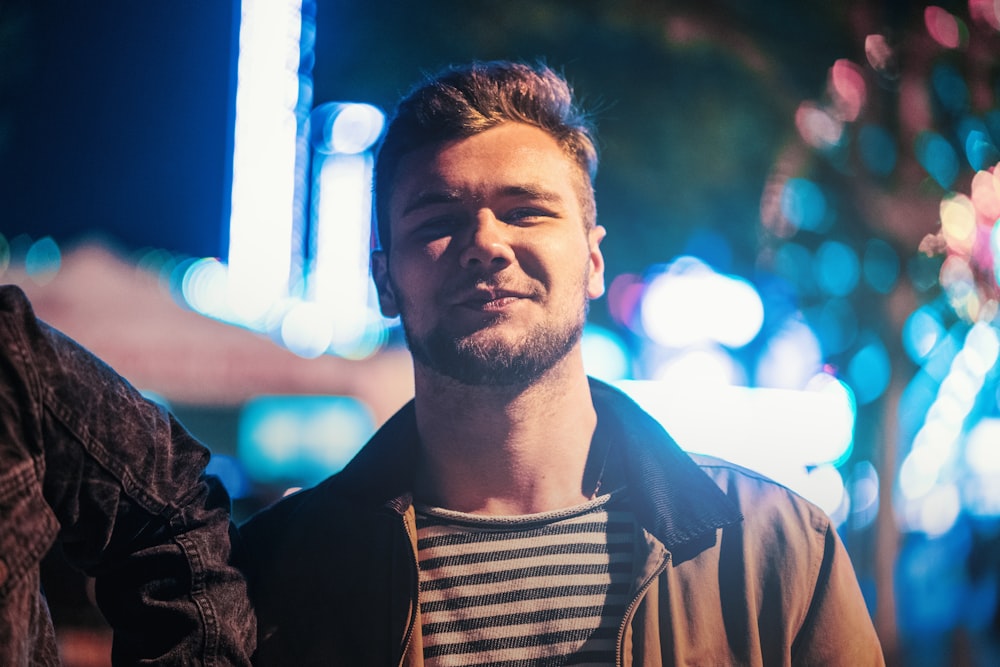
{"x": 465, "y": 100}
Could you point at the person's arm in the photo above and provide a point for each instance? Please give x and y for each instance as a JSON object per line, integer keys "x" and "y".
{"x": 838, "y": 629}
{"x": 122, "y": 484}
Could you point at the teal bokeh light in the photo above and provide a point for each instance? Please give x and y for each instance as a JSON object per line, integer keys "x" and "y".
{"x": 869, "y": 371}
{"x": 880, "y": 266}
{"x": 43, "y": 260}
{"x": 980, "y": 150}
{"x": 804, "y": 205}
{"x": 836, "y": 268}
{"x": 950, "y": 88}
{"x": 230, "y": 472}
{"x": 301, "y": 440}
{"x": 937, "y": 157}
{"x": 922, "y": 332}
{"x": 878, "y": 150}
{"x": 835, "y": 324}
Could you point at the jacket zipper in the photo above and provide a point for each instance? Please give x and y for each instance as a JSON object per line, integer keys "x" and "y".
{"x": 633, "y": 605}
{"x": 415, "y": 593}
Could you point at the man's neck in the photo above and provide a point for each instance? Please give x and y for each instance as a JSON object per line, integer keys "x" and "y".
{"x": 491, "y": 450}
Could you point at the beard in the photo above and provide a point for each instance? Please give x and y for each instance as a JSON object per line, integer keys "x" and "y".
{"x": 479, "y": 358}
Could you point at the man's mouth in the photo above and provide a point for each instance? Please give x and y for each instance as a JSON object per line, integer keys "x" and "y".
{"x": 490, "y": 299}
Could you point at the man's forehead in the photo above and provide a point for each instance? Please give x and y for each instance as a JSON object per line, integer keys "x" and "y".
{"x": 526, "y": 161}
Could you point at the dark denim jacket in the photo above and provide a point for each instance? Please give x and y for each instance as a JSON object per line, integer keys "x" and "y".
{"x": 85, "y": 459}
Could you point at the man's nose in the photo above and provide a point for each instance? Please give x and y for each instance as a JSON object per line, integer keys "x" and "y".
{"x": 487, "y": 244}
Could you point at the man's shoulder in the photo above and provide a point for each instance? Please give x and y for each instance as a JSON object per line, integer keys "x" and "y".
{"x": 764, "y": 502}
{"x": 302, "y": 507}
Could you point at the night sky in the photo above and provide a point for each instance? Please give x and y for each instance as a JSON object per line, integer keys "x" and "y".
{"x": 116, "y": 117}
{"x": 117, "y": 122}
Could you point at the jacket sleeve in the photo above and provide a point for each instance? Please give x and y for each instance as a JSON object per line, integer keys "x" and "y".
{"x": 122, "y": 486}
{"x": 837, "y": 629}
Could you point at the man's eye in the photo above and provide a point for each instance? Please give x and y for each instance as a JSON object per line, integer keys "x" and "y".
{"x": 525, "y": 215}
{"x": 437, "y": 226}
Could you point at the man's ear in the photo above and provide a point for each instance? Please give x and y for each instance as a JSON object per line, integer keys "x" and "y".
{"x": 595, "y": 283}
{"x": 380, "y": 274}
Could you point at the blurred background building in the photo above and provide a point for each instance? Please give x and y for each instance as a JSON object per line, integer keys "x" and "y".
{"x": 802, "y": 203}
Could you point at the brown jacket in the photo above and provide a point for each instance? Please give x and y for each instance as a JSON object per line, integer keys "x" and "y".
{"x": 737, "y": 569}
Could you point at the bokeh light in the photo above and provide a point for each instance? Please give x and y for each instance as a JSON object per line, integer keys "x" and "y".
{"x": 4, "y": 254}
{"x": 880, "y": 55}
{"x": 950, "y": 88}
{"x": 922, "y": 332}
{"x": 301, "y": 439}
{"x": 981, "y": 490}
{"x": 791, "y": 356}
{"x": 848, "y": 89}
{"x": 817, "y": 127}
{"x": 605, "y": 355}
{"x": 937, "y": 157}
{"x": 877, "y": 149}
{"x": 987, "y": 11}
{"x": 869, "y": 371}
{"x": 958, "y": 223}
{"x": 793, "y": 262}
{"x": 835, "y": 324}
{"x": 203, "y": 286}
{"x": 880, "y": 266}
{"x": 232, "y": 474}
{"x": 944, "y": 27}
{"x": 306, "y": 329}
{"x": 931, "y": 470}
{"x": 624, "y": 296}
{"x": 803, "y": 204}
{"x": 980, "y": 151}
{"x": 346, "y": 128}
{"x": 863, "y": 489}
{"x": 43, "y": 260}
{"x": 780, "y": 433}
{"x": 837, "y": 268}
{"x": 986, "y": 195}
{"x": 698, "y": 368}
{"x": 688, "y": 303}
{"x": 824, "y": 486}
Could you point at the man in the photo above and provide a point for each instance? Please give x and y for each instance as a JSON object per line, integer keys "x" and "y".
{"x": 515, "y": 512}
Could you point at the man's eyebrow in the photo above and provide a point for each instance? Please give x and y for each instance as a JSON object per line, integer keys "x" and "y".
{"x": 434, "y": 197}
{"x": 533, "y": 192}
{"x": 430, "y": 198}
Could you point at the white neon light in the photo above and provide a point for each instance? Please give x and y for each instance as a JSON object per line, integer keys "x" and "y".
{"x": 262, "y": 216}
{"x": 344, "y": 221}
{"x": 777, "y": 432}
{"x": 338, "y": 281}
{"x": 927, "y": 475}
{"x": 346, "y": 128}
{"x": 691, "y": 303}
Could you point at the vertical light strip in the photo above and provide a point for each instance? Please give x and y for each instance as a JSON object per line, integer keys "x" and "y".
{"x": 264, "y": 157}
{"x": 340, "y": 281}
{"x": 340, "y": 313}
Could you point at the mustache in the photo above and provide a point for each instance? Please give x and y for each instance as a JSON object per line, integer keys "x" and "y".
{"x": 494, "y": 284}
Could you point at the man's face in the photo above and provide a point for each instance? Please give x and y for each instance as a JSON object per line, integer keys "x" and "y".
{"x": 491, "y": 266}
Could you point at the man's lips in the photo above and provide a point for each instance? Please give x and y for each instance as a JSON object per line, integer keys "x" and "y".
{"x": 489, "y": 299}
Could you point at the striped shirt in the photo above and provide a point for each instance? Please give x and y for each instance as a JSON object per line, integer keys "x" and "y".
{"x": 541, "y": 589}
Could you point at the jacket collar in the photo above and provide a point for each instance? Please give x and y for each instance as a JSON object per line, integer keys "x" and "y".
{"x": 672, "y": 497}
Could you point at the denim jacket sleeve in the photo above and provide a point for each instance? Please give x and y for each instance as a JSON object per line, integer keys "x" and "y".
{"x": 85, "y": 459}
